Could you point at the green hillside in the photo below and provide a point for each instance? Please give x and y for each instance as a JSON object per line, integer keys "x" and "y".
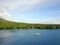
{"x": 15, "y": 25}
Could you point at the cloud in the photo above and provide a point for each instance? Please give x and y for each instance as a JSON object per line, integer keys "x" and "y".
{"x": 19, "y": 3}
{"x": 19, "y": 18}
{"x": 27, "y": 4}
{"x": 23, "y": 5}
{"x": 48, "y": 21}
{"x": 4, "y": 14}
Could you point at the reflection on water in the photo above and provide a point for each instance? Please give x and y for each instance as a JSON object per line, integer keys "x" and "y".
{"x": 26, "y": 37}
{"x": 4, "y": 34}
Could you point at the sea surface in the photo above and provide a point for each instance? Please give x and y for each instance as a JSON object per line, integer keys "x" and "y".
{"x": 28, "y": 37}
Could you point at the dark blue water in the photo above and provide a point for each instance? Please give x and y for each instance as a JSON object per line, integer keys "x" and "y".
{"x": 27, "y": 37}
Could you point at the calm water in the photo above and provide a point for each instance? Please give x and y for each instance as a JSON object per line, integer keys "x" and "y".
{"x": 26, "y": 37}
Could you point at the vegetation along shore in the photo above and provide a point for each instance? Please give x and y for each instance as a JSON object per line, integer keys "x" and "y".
{"x": 16, "y": 25}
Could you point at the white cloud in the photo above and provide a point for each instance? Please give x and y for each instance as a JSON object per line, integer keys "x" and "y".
{"x": 27, "y": 4}
{"x": 4, "y": 13}
{"x": 48, "y": 21}
{"x": 5, "y": 16}
{"x": 19, "y": 3}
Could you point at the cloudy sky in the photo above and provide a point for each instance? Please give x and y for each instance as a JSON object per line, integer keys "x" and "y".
{"x": 31, "y": 11}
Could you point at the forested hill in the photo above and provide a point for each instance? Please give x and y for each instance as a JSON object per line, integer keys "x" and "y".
{"x": 4, "y": 24}
{"x": 2, "y": 19}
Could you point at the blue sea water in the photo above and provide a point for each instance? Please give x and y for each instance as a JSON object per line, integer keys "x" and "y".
{"x": 27, "y": 37}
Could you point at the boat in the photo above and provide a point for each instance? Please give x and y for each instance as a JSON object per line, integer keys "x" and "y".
{"x": 37, "y": 34}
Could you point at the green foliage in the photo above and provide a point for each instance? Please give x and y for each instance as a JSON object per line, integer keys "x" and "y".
{"x": 16, "y": 25}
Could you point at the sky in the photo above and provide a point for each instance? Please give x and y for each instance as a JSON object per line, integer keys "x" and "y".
{"x": 31, "y": 11}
